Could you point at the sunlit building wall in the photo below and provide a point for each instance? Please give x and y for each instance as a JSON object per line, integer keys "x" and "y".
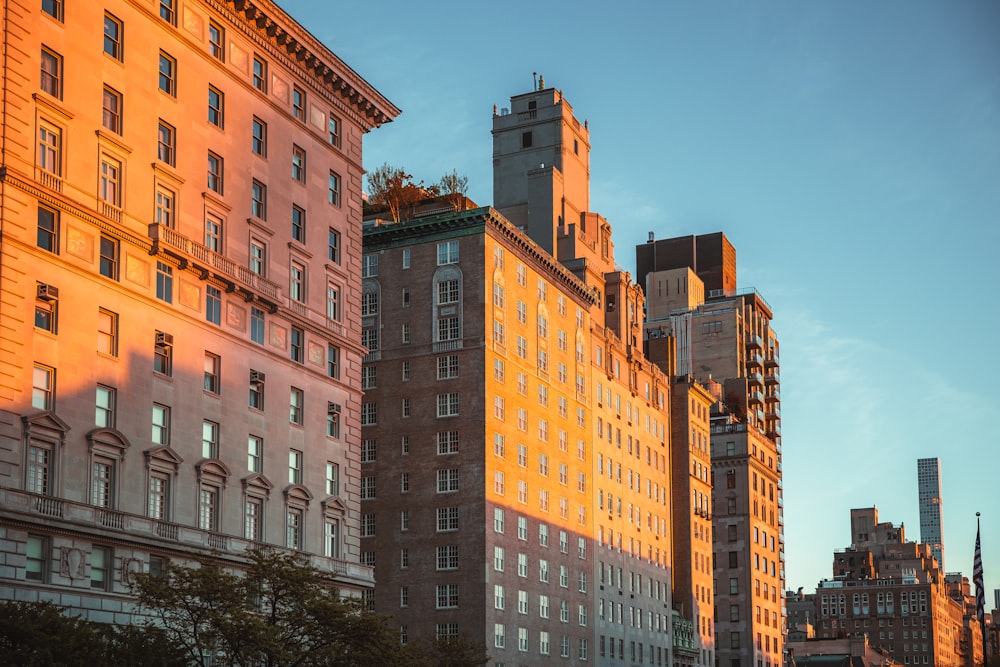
{"x": 179, "y": 294}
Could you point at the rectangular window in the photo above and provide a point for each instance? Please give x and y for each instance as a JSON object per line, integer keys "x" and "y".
{"x": 109, "y": 257}
{"x": 213, "y": 304}
{"x": 111, "y": 116}
{"x": 53, "y": 8}
{"x": 166, "y": 137}
{"x": 332, "y": 479}
{"x": 258, "y": 200}
{"x": 369, "y": 414}
{"x": 260, "y": 74}
{"x": 43, "y": 388}
{"x": 113, "y": 37}
{"x": 447, "y": 253}
{"x": 159, "y": 496}
{"x": 298, "y": 164}
{"x": 333, "y": 130}
{"x": 208, "y": 508}
{"x": 110, "y": 181}
{"x": 447, "y": 519}
{"x": 217, "y": 41}
{"x": 215, "y": 172}
{"x": 39, "y": 469}
{"x": 168, "y": 74}
{"x": 52, "y": 73}
{"x": 255, "y": 453}
{"x": 333, "y": 196}
{"x": 168, "y": 11}
{"x": 447, "y": 596}
{"x": 105, "y": 399}
{"x": 447, "y": 405}
{"x": 209, "y": 440}
{"x": 447, "y": 557}
{"x": 297, "y": 344}
{"x": 165, "y": 205}
{"x": 48, "y": 230}
{"x": 107, "y": 332}
{"x": 333, "y": 302}
{"x": 212, "y": 368}
{"x": 259, "y": 137}
{"x": 299, "y": 103}
{"x": 252, "y": 518}
{"x": 448, "y": 329}
{"x": 46, "y": 308}
{"x": 101, "y": 562}
{"x": 163, "y": 353}
{"x": 294, "y": 466}
{"x": 447, "y": 442}
{"x": 298, "y": 224}
{"x": 257, "y": 325}
{"x": 448, "y": 292}
{"x": 333, "y": 246}
{"x": 447, "y": 480}
{"x": 216, "y": 107}
{"x": 295, "y": 401}
{"x": 37, "y": 557}
{"x": 213, "y": 233}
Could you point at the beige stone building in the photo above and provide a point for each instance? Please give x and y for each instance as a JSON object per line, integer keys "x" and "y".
{"x": 180, "y": 296}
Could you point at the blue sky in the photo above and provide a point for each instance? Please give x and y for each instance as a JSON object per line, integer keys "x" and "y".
{"x": 850, "y": 151}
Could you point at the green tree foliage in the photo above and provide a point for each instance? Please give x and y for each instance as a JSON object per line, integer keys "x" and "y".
{"x": 40, "y": 634}
{"x": 281, "y": 612}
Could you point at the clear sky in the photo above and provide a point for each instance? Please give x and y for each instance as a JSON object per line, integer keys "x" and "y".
{"x": 850, "y": 151}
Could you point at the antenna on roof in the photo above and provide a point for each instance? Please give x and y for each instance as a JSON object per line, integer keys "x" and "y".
{"x": 534, "y": 79}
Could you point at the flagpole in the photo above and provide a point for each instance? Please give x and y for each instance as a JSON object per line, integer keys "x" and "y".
{"x": 977, "y": 579}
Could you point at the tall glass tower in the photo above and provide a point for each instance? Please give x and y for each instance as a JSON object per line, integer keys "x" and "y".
{"x": 929, "y": 494}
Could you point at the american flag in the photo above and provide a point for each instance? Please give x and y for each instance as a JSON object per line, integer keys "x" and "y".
{"x": 977, "y": 579}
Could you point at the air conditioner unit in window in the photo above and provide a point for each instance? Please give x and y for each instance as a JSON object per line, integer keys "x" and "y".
{"x": 333, "y": 408}
{"x": 47, "y": 292}
{"x": 164, "y": 339}
{"x": 257, "y": 377}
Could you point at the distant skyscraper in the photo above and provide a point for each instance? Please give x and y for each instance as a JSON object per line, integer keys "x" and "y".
{"x": 929, "y": 494}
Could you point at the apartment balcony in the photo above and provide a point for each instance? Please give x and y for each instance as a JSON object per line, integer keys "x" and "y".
{"x": 48, "y": 179}
{"x": 772, "y": 378}
{"x": 772, "y": 360}
{"x": 754, "y": 360}
{"x": 754, "y": 343}
{"x": 755, "y": 396}
{"x": 755, "y": 378}
{"x": 683, "y": 637}
{"x": 774, "y": 411}
{"x": 78, "y": 518}
{"x": 208, "y": 262}
{"x": 773, "y": 430}
{"x": 773, "y": 395}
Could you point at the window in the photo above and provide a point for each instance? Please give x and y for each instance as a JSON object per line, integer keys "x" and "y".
{"x": 216, "y": 107}
{"x": 259, "y": 137}
{"x": 48, "y": 230}
{"x": 109, "y": 257}
{"x": 168, "y": 11}
{"x": 110, "y": 183}
{"x": 112, "y": 110}
{"x": 298, "y": 164}
{"x": 332, "y": 479}
{"x": 447, "y": 253}
{"x": 43, "y": 388}
{"x": 333, "y": 361}
{"x": 259, "y": 74}
{"x": 166, "y": 138}
{"x": 253, "y": 511}
{"x": 333, "y": 130}
{"x": 37, "y": 555}
{"x": 298, "y": 224}
{"x": 258, "y": 200}
{"x": 39, "y": 469}
{"x": 448, "y": 329}
{"x": 215, "y": 173}
{"x": 369, "y": 414}
{"x": 299, "y": 103}
{"x": 367, "y": 525}
{"x": 293, "y": 528}
{"x": 294, "y": 466}
{"x": 447, "y": 442}
{"x": 208, "y": 508}
{"x": 168, "y": 74}
{"x": 369, "y": 451}
{"x": 101, "y": 562}
{"x": 333, "y": 195}
{"x": 331, "y": 538}
{"x": 255, "y": 453}
{"x": 447, "y": 480}
{"x": 164, "y": 206}
{"x": 209, "y": 440}
{"x": 163, "y": 353}
{"x": 297, "y": 285}
{"x": 212, "y": 368}
{"x": 52, "y": 72}
{"x": 158, "y": 499}
{"x": 447, "y": 367}
{"x": 447, "y": 519}
{"x": 448, "y": 292}
{"x": 104, "y": 413}
{"x": 53, "y": 8}
{"x": 447, "y": 557}
{"x": 295, "y": 401}
{"x": 112, "y": 36}
{"x": 333, "y": 304}
{"x": 333, "y": 246}
{"x": 526, "y": 140}
{"x": 217, "y": 41}
{"x": 161, "y": 425}
{"x": 447, "y": 405}
{"x": 447, "y": 596}
{"x": 213, "y": 233}
{"x": 107, "y": 332}
{"x": 368, "y": 377}
{"x": 213, "y": 304}
{"x": 257, "y": 325}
